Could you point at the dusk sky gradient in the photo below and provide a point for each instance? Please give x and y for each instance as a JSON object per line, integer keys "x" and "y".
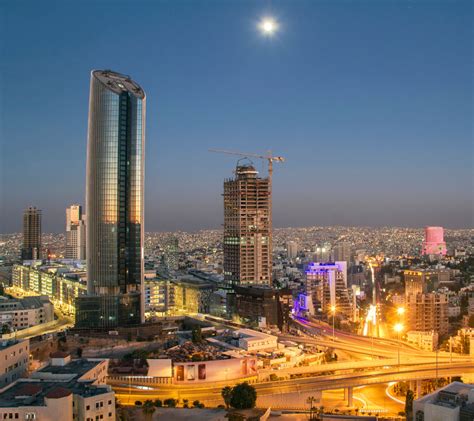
{"x": 370, "y": 102}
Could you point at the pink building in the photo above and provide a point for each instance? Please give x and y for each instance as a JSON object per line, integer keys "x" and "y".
{"x": 434, "y": 241}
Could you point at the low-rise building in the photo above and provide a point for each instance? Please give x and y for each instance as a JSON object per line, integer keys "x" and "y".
{"x": 454, "y": 402}
{"x": 64, "y": 390}
{"x": 427, "y": 341}
{"x": 26, "y": 312}
{"x": 254, "y": 341}
{"x": 14, "y": 359}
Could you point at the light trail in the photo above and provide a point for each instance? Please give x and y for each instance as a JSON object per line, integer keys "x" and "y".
{"x": 393, "y": 398}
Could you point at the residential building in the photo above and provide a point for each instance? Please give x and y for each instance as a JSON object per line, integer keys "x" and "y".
{"x": 247, "y": 228}
{"x": 31, "y": 248}
{"x": 114, "y": 203}
{"x": 14, "y": 360}
{"x": 427, "y": 341}
{"x": 22, "y": 313}
{"x": 427, "y": 312}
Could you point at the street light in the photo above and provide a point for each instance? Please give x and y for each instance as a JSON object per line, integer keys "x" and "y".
{"x": 401, "y": 311}
{"x": 333, "y": 311}
{"x": 398, "y": 328}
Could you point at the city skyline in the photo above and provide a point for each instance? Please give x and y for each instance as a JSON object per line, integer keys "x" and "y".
{"x": 390, "y": 128}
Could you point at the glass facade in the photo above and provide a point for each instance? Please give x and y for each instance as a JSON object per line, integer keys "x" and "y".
{"x": 114, "y": 202}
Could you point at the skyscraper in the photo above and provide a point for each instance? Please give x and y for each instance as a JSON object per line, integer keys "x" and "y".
{"x": 342, "y": 252}
{"x": 75, "y": 233}
{"x": 247, "y": 228}
{"x": 114, "y": 203}
{"x": 31, "y": 248}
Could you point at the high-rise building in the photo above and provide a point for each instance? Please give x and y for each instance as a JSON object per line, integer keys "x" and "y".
{"x": 292, "y": 249}
{"x": 31, "y": 248}
{"x": 114, "y": 203}
{"x": 326, "y": 287}
{"x": 434, "y": 243}
{"x": 342, "y": 252}
{"x": 75, "y": 233}
{"x": 247, "y": 228}
{"x": 427, "y": 312}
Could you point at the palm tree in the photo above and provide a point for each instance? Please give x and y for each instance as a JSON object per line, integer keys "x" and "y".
{"x": 226, "y": 394}
{"x": 148, "y": 409}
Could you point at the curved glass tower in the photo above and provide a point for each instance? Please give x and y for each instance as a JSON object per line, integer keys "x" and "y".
{"x": 114, "y": 203}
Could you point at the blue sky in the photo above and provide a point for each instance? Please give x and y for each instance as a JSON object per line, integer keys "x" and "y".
{"x": 371, "y": 102}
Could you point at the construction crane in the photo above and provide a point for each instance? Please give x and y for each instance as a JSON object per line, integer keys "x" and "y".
{"x": 268, "y": 157}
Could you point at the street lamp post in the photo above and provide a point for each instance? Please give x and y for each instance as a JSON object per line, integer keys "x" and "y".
{"x": 398, "y": 328}
{"x": 333, "y": 311}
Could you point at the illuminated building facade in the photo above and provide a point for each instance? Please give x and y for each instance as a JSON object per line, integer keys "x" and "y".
{"x": 75, "y": 233}
{"x": 326, "y": 286}
{"x": 427, "y": 312}
{"x": 114, "y": 203}
{"x": 247, "y": 228}
{"x": 434, "y": 243}
{"x": 31, "y": 249}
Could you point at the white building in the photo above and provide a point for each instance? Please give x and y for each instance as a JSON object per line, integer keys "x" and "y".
{"x": 26, "y": 312}
{"x": 454, "y": 402}
{"x": 254, "y": 341}
{"x": 64, "y": 390}
{"x": 75, "y": 233}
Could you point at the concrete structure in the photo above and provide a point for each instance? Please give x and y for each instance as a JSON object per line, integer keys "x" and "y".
{"x": 75, "y": 233}
{"x": 434, "y": 243}
{"x": 114, "y": 203}
{"x": 254, "y": 341}
{"x": 31, "y": 248}
{"x": 65, "y": 390}
{"x": 247, "y": 228}
{"x": 322, "y": 253}
{"x": 26, "y": 312}
{"x": 427, "y": 312}
{"x": 326, "y": 286}
{"x": 14, "y": 360}
{"x": 454, "y": 402}
{"x": 427, "y": 341}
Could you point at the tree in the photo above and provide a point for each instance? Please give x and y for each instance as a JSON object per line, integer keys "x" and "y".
{"x": 148, "y": 409}
{"x": 197, "y": 335}
{"x": 158, "y": 403}
{"x": 226, "y": 394}
{"x": 409, "y": 404}
{"x": 244, "y": 396}
{"x": 170, "y": 402}
{"x": 185, "y": 403}
{"x": 138, "y": 403}
{"x": 5, "y": 329}
{"x": 79, "y": 352}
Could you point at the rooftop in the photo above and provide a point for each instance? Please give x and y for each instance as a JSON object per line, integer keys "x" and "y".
{"x": 33, "y": 392}
{"x": 118, "y": 83}
{"x": 75, "y": 368}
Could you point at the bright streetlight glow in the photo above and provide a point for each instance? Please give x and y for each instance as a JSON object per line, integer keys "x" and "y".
{"x": 268, "y": 26}
{"x": 398, "y": 327}
{"x": 333, "y": 309}
{"x": 401, "y": 311}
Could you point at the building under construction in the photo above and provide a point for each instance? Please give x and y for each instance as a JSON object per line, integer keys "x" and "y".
{"x": 247, "y": 228}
